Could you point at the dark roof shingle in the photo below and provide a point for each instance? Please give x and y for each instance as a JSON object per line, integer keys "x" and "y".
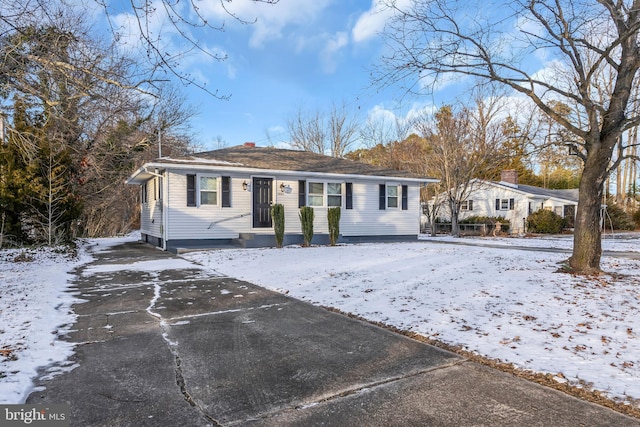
{"x": 290, "y": 160}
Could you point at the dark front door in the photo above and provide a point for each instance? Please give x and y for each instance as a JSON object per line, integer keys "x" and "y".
{"x": 262, "y": 200}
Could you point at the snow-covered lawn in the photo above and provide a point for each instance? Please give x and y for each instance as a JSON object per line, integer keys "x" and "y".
{"x": 35, "y": 310}
{"x": 509, "y": 305}
{"x": 505, "y": 304}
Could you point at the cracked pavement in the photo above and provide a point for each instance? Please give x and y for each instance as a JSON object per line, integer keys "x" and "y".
{"x": 182, "y": 346}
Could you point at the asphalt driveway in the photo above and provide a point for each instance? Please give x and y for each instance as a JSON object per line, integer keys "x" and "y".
{"x": 183, "y": 347}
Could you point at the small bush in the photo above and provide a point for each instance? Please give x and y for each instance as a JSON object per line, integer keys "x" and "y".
{"x": 306, "y": 220}
{"x": 277, "y": 213}
{"x": 545, "y": 221}
{"x": 636, "y": 218}
{"x": 618, "y": 218}
{"x": 333, "y": 216}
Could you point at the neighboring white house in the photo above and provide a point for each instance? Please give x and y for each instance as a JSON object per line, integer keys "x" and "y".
{"x": 224, "y": 197}
{"x": 514, "y": 202}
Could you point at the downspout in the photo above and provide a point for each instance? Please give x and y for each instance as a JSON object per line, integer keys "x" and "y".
{"x": 165, "y": 191}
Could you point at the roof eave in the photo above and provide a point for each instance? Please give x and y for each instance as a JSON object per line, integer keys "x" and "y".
{"x": 142, "y": 174}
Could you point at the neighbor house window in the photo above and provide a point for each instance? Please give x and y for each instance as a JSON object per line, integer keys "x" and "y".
{"x": 208, "y": 186}
{"x": 316, "y": 194}
{"x": 467, "y": 205}
{"x": 505, "y": 204}
{"x": 334, "y": 194}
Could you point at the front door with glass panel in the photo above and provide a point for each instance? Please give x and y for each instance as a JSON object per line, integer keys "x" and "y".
{"x": 262, "y": 200}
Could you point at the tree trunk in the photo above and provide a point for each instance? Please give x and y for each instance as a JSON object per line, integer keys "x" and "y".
{"x": 455, "y": 230}
{"x": 587, "y": 245}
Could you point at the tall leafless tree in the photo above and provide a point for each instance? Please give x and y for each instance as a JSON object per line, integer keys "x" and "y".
{"x": 498, "y": 41}
{"x": 325, "y": 133}
{"x": 463, "y": 149}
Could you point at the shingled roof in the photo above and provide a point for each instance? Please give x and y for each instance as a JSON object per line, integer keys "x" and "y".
{"x": 569, "y": 194}
{"x": 270, "y": 158}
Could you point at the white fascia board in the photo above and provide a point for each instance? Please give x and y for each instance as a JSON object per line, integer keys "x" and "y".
{"x": 133, "y": 179}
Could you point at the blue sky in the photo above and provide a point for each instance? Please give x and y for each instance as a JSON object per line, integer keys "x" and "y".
{"x": 308, "y": 54}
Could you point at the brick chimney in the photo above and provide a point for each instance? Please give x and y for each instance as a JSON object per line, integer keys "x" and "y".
{"x": 250, "y": 144}
{"x": 510, "y": 176}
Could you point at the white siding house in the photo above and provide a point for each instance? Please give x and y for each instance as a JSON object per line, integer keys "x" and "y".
{"x": 224, "y": 197}
{"x": 514, "y": 202}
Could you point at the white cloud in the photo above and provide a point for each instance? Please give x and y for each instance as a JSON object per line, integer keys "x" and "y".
{"x": 372, "y": 22}
{"x": 267, "y": 20}
{"x": 331, "y": 50}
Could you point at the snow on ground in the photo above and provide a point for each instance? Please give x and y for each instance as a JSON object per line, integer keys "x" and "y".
{"x": 509, "y": 305}
{"x": 34, "y": 311}
{"x": 506, "y": 304}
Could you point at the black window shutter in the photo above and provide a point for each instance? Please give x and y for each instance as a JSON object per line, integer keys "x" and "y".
{"x": 191, "y": 190}
{"x": 470, "y": 205}
{"x": 497, "y": 204}
{"x": 383, "y": 197}
{"x": 349, "y": 195}
{"x": 302, "y": 196}
{"x": 226, "y": 192}
{"x": 512, "y": 204}
{"x": 405, "y": 197}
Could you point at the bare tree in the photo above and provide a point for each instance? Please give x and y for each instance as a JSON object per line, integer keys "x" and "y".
{"x": 160, "y": 50}
{"x": 331, "y": 133}
{"x": 343, "y": 128}
{"x": 584, "y": 39}
{"x": 307, "y": 131}
{"x": 463, "y": 149}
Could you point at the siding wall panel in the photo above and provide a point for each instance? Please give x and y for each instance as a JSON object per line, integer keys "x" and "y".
{"x": 215, "y": 222}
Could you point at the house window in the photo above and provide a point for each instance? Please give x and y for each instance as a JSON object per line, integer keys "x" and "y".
{"x": 466, "y": 205}
{"x": 505, "y": 204}
{"x": 334, "y": 194}
{"x": 208, "y": 190}
{"x": 143, "y": 193}
{"x": 191, "y": 190}
{"x": 392, "y": 196}
{"x": 316, "y": 194}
